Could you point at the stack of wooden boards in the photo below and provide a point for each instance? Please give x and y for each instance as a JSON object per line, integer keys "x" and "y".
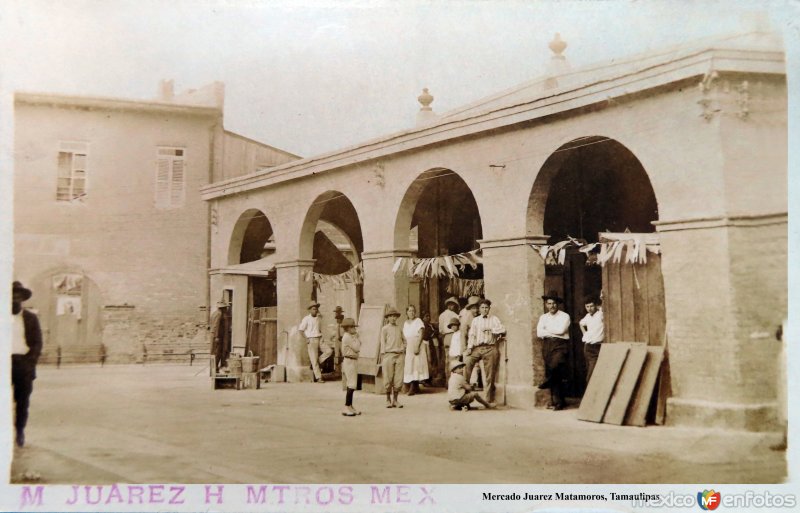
{"x": 622, "y": 385}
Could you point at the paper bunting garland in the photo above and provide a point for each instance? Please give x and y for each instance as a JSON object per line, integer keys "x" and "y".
{"x": 611, "y": 248}
{"x": 448, "y": 266}
{"x": 465, "y": 288}
{"x": 353, "y": 275}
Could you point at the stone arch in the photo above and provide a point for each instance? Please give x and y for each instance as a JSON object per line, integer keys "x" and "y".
{"x": 71, "y": 314}
{"x": 337, "y": 209}
{"x": 442, "y": 208}
{"x": 252, "y": 234}
{"x": 587, "y": 158}
{"x": 450, "y": 183}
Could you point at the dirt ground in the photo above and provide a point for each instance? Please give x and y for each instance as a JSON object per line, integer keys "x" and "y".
{"x": 164, "y": 423}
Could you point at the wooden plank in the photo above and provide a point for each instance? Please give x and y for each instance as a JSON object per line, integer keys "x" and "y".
{"x": 604, "y": 379}
{"x": 640, "y": 303}
{"x": 370, "y": 322}
{"x": 614, "y": 300}
{"x": 637, "y": 411}
{"x": 664, "y": 391}
{"x": 626, "y": 384}
{"x": 628, "y": 307}
{"x": 655, "y": 294}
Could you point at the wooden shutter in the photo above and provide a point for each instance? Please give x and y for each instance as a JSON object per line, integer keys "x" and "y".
{"x": 178, "y": 189}
{"x": 162, "y": 182}
{"x": 72, "y": 166}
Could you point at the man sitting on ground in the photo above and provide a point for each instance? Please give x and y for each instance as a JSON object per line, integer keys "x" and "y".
{"x": 459, "y": 393}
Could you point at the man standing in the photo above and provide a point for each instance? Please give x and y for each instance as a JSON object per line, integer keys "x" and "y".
{"x": 553, "y": 329}
{"x": 311, "y": 328}
{"x": 467, "y": 314}
{"x": 484, "y": 333}
{"x": 26, "y": 346}
{"x": 336, "y": 338}
{"x": 220, "y": 338}
{"x": 593, "y": 333}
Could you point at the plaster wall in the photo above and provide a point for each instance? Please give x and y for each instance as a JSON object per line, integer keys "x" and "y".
{"x": 149, "y": 259}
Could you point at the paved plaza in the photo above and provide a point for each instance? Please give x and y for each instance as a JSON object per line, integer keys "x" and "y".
{"x": 164, "y": 423}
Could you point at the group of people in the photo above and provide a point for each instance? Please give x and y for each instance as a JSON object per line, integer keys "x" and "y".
{"x": 553, "y": 329}
{"x": 465, "y": 343}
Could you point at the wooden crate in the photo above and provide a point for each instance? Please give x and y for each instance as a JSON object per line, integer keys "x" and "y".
{"x": 250, "y": 380}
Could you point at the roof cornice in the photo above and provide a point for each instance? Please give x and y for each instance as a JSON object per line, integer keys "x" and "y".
{"x": 103, "y": 103}
{"x": 555, "y": 101}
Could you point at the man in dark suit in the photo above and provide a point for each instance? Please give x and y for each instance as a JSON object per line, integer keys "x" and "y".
{"x": 26, "y": 346}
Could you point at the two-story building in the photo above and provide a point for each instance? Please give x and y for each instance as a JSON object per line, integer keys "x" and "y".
{"x": 110, "y": 231}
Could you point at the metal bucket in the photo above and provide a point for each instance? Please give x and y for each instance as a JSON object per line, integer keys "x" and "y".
{"x": 250, "y": 363}
{"x": 235, "y": 365}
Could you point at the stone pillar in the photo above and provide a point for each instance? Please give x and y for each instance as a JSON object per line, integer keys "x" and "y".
{"x": 721, "y": 352}
{"x": 381, "y": 286}
{"x": 294, "y": 293}
{"x": 514, "y": 281}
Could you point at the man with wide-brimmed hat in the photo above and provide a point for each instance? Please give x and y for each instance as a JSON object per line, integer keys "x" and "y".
{"x": 336, "y": 338}
{"x": 26, "y": 346}
{"x": 553, "y": 329}
{"x": 468, "y": 313}
{"x": 220, "y": 334}
{"x": 311, "y": 328}
{"x": 392, "y": 350}
{"x": 484, "y": 335}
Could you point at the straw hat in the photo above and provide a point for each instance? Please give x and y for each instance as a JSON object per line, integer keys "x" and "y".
{"x": 473, "y": 300}
{"x": 312, "y": 304}
{"x": 456, "y": 365}
{"x": 349, "y": 323}
{"x": 453, "y": 300}
{"x": 392, "y": 312}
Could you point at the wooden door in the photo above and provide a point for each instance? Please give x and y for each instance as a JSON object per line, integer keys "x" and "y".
{"x": 633, "y": 304}
{"x": 262, "y": 334}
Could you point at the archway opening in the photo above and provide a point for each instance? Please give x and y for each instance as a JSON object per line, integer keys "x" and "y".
{"x": 331, "y": 235}
{"x": 439, "y": 217}
{"x": 587, "y": 187}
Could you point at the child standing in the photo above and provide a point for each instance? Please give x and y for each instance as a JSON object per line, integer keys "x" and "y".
{"x": 351, "y": 345}
{"x": 392, "y": 352}
{"x": 459, "y": 393}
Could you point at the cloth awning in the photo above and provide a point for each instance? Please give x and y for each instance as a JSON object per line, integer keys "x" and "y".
{"x": 261, "y": 267}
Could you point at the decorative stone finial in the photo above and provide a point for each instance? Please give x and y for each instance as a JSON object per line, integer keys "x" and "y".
{"x": 557, "y": 45}
{"x": 425, "y": 99}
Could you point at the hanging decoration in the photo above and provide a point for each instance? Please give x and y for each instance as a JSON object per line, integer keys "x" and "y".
{"x": 611, "y": 247}
{"x": 353, "y": 275}
{"x": 461, "y": 287}
{"x": 69, "y": 283}
{"x": 448, "y": 266}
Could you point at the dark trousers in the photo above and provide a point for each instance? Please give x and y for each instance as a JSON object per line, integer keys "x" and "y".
{"x": 22, "y": 376}
{"x": 487, "y": 353}
{"x": 590, "y": 353}
{"x": 555, "y": 352}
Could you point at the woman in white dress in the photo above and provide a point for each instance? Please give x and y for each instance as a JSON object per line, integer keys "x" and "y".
{"x": 416, "y": 364}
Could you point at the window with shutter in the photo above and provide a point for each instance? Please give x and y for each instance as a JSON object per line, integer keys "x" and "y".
{"x": 170, "y": 178}
{"x": 72, "y": 164}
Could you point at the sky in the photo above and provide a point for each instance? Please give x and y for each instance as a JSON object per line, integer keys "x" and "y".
{"x": 311, "y": 77}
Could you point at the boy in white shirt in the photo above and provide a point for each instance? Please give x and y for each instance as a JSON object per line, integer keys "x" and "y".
{"x": 593, "y": 333}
